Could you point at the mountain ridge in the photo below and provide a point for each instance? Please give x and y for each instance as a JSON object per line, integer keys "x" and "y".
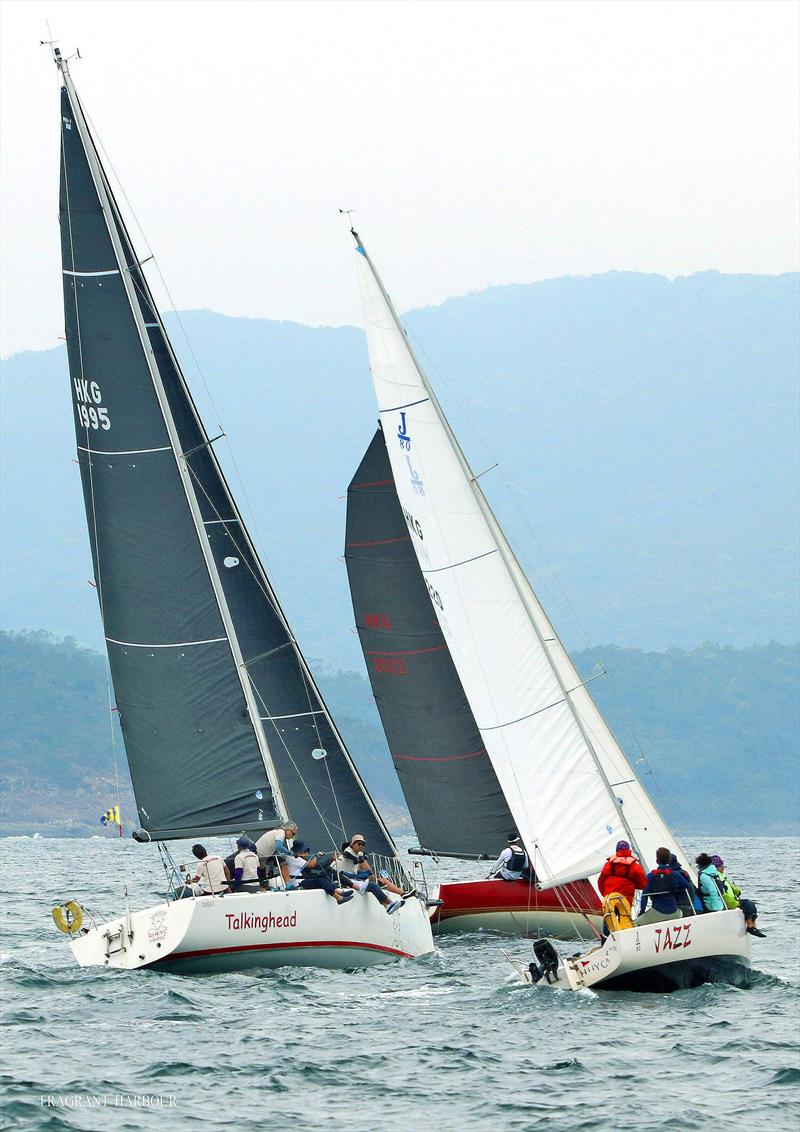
{"x": 645, "y": 429}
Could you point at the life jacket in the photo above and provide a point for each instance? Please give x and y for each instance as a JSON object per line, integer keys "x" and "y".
{"x": 660, "y": 882}
{"x": 621, "y": 866}
{"x": 518, "y": 859}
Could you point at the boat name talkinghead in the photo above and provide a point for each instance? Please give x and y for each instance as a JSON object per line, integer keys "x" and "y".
{"x": 245, "y": 920}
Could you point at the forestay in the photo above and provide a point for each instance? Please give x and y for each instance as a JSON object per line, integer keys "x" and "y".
{"x": 450, "y": 786}
{"x": 566, "y": 781}
{"x": 218, "y": 710}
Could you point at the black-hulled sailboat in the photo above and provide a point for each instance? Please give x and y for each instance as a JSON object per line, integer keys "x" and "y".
{"x": 224, "y": 728}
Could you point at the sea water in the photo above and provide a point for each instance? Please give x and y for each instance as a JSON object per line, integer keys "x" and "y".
{"x": 451, "y": 1043}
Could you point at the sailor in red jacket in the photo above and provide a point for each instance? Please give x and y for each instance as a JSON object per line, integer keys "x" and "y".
{"x": 622, "y": 873}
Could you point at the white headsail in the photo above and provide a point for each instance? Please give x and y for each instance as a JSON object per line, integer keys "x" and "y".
{"x": 569, "y": 786}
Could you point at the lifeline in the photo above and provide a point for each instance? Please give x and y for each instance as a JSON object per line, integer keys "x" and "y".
{"x": 246, "y": 920}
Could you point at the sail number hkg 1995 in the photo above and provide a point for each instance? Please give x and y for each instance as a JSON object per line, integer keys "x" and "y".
{"x": 91, "y": 413}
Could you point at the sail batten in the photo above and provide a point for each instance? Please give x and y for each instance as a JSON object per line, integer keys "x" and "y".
{"x": 553, "y": 754}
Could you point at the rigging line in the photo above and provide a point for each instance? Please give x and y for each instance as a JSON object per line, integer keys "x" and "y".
{"x": 657, "y": 788}
{"x": 252, "y": 519}
{"x": 109, "y": 682}
{"x": 563, "y": 894}
{"x": 319, "y": 744}
{"x": 273, "y": 603}
{"x": 245, "y": 557}
{"x": 300, "y": 775}
{"x": 555, "y": 703}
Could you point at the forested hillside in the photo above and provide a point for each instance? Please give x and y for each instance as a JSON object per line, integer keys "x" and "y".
{"x": 716, "y": 726}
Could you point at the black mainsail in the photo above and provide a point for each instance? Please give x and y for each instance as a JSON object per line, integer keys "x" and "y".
{"x": 223, "y": 724}
{"x": 451, "y": 789}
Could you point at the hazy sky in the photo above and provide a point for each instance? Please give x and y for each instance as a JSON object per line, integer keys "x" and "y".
{"x": 479, "y": 142}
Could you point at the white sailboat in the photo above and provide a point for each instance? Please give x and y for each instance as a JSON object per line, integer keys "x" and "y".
{"x": 225, "y": 730}
{"x": 568, "y": 785}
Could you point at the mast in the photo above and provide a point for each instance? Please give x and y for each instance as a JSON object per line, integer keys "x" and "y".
{"x": 180, "y": 458}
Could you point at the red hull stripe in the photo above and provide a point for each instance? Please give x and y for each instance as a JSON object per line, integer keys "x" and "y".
{"x": 441, "y": 758}
{"x": 282, "y": 947}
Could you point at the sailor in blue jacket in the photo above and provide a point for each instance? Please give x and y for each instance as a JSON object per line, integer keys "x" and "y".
{"x": 663, "y": 886}
{"x": 709, "y": 884}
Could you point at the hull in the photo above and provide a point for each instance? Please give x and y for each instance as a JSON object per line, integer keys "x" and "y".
{"x": 669, "y": 955}
{"x": 244, "y": 931}
{"x": 517, "y": 908}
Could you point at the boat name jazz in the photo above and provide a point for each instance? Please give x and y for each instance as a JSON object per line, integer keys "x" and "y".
{"x": 672, "y": 937}
{"x": 246, "y": 920}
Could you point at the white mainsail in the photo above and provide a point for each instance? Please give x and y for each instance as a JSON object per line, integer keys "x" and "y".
{"x": 569, "y": 786}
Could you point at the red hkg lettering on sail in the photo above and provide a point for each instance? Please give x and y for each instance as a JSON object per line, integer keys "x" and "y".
{"x": 377, "y": 621}
{"x": 390, "y": 665}
{"x": 673, "y": 937}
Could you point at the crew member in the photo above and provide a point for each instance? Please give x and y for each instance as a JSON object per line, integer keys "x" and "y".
{"x": 662, "y": 890}
{"x": 275, "y": 845}
{"x": 513, "y": 862}
{"x": 622, "y": 873}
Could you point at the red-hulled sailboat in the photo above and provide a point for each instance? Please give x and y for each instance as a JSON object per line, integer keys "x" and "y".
{"x": 490, "y": 726}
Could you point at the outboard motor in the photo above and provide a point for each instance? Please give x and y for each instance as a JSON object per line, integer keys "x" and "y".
{"x": 547, "y": 967}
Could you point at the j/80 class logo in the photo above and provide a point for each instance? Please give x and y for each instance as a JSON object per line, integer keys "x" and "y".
{"x": 91, "y": 414}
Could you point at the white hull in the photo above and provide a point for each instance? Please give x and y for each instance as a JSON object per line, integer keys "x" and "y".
{"x": 244, "y": 930}
{"x": 662, "y": 956}
{"x": 552, "y": 925}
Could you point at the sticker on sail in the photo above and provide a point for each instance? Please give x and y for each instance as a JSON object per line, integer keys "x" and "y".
{"x": 67, "y": 123}
{"x": 415, "y": 478}
{"x": 402, "y": 435}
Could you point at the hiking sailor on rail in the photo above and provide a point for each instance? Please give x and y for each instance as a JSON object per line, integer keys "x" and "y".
{"x": 513, "y": 862}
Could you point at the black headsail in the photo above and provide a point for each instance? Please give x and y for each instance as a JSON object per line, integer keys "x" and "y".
{"x": 449, "y": 784}
{"x": 219, "y": 712}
